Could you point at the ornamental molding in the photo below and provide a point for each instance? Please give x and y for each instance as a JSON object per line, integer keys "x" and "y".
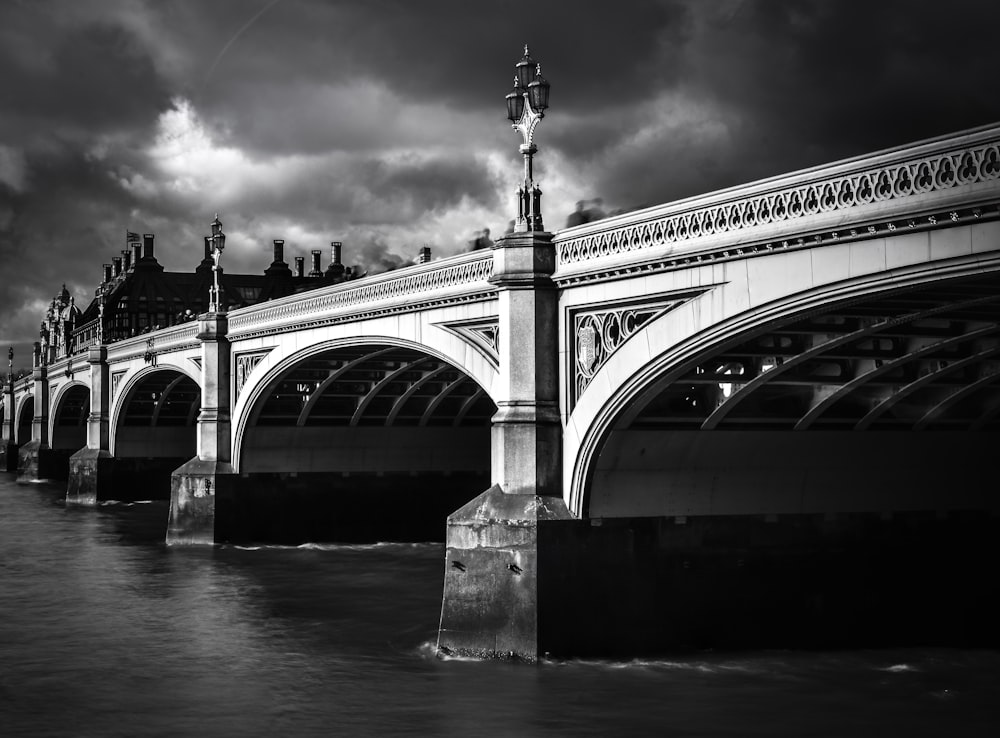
{"x": 350, "y": 300}
{"x": 598, "y": 331}
{"x": 483, "y": 334}
{"x": 116, "y": 380}
{"x": 895, "y": 181}
{"x": 246, "y": 362}
{"x": 749, "y": 249}
{"x": 361, "y": 315}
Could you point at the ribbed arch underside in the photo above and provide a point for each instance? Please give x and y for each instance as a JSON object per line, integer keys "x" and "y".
{"x": 159, "y": 416}
{"x": 370, "y": 409}
{"x": 926, "y": 358}
{"x": 375, "y": 386}
{"x": 774, "y": 422}
{"x": 69, "y": 431}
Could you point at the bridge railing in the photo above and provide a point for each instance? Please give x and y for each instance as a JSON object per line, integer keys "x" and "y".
{"x": 915, "y": 183}
{"x": 148, "y": 345}
{"x": 402, "y": 290}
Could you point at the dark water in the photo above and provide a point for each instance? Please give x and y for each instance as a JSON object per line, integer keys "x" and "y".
{"x": 104, "y": 631}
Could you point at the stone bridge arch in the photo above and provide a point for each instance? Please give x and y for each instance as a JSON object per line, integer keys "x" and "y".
{"x": 153, "y": 428}
{"x": 723, "y": 318}
{"x": 374, "y": 435}
{"x": 23, "y": 416}
{"x": 69, "y": 409}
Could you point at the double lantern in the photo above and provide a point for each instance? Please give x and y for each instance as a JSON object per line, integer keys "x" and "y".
{"x": 526, "y": 105}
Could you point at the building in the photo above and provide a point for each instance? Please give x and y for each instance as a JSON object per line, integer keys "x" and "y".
{"x": 137, "y": 295}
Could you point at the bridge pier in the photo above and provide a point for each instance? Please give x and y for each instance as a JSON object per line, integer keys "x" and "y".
{"x": 497, "y": 550}
{"x": 90, "y": 468}
{"x": 200, "y": 486}
{"x": 35, "y": 460}
{"x": 8, "y": 446}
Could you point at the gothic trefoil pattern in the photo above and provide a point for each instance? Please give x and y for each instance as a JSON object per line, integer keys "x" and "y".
{"x": 598, "y": 333}
{"x": 245, "y": 363}
{"x": 483, "y": 333}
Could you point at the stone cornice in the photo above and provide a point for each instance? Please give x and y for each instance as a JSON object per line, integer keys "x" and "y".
{"x": 922, "y": 184}
{"x": 455, "y": 280}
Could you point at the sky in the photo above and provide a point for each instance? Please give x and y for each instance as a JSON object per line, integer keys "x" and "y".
{"x": 382, "y": 124}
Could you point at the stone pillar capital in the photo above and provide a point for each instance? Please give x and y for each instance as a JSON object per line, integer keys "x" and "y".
{"x": 97, "y": 354}
{"x": 524, "y": 261}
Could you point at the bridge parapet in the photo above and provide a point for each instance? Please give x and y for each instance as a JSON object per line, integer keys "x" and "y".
{"x": 174, "y": 338}
{"x": 462, "y": 277}
{"x": 936, "y": 182}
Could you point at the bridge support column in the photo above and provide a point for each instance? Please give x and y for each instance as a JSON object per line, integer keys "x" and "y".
{"x": 496, "y": 552}
{"x": 33, "y": 460}
{"x": 197, "y": 486}
{"x": 8, "y": 446}
{"x": 90, "y": 468}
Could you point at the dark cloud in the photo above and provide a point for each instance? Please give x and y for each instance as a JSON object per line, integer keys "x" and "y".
{"x": 382, "y": 123}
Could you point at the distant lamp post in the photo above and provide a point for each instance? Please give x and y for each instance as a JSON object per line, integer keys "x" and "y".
{"x": 215, "y": 301}
{"x": 526, "y": 105}
{"x": 10, "y": 368}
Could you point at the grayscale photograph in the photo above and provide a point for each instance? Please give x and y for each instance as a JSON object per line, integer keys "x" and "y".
{"x": 480, "y": 368}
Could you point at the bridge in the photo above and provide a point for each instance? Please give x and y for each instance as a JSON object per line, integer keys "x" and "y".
{"x": 779, "y": 399}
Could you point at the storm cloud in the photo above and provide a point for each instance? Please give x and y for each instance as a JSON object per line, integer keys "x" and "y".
{"x": 381, "y": 124}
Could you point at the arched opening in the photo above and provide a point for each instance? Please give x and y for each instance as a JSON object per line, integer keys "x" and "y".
{"x": 828, "y": 477}
{"x": 860, "y": 407}
{"x": 372, "y": 442}
{"x": 24, "y": 418}
{"x": 154, "y": 433}
{"x": 69, "y": 428}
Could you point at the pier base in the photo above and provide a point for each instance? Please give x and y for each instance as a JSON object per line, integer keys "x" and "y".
{"x": 36, "y": 463}
{"x": 8, "y": 457}
{"x": 90, "y": 477}
{"x": 626, "y": 587}
{"x": 195, "y": 488}
{"x": 496, "y": 569}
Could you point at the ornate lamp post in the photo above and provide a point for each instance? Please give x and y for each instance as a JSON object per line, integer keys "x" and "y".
{"x": 10, "y": 368}
{"x": 215, "y": 301}
{"x": 526, "y": 105}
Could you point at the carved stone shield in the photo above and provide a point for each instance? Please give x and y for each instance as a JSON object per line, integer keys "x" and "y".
{"x": 587, "y": 352}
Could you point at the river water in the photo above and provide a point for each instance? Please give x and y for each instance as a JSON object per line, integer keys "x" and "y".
{"x": 105, "y": 631}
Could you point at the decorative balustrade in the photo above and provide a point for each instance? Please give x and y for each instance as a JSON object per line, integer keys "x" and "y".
{"x": 466, "y": 273}
{"x": 900, "y": 175}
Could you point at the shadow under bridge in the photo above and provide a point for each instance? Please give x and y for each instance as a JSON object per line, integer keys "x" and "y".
{"x": 363, "y": 443}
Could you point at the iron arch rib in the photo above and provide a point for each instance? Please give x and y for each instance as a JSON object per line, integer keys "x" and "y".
{"x": 820, "y": 407}
{"x": 333, "y": 377}
{"x": 741, "y": 394}
{"x": 876, "y": 412}
{"x": 389, "y": 377}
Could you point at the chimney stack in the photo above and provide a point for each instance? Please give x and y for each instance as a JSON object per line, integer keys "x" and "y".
{"x": 147, "y": 246}
{"x": 424, "y": 256}
{"x": 335, "y": 272}
{"x": 316, "y": 272}
{"x": 107, "y": 273}
{"x": 126, "y": 259}
{"x": 136, "y": 252}
{"x": 300, "y": 266}
{"x": 279, "y": 251}
{"x": 117, "y": 261}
